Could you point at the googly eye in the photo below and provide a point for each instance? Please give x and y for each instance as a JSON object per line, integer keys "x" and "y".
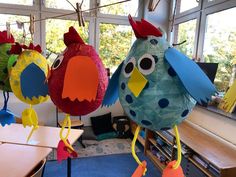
{"x": 129, "y": 67}
{"x": 57, "y": 62}
{"x": 146, "y": 64}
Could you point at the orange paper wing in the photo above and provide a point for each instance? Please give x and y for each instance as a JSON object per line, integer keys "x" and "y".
{"x": 169, "y": 171}
{"x": 81, "y": 79}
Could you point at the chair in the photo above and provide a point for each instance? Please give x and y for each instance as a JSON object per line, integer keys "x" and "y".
{"x": 38, "y": 170}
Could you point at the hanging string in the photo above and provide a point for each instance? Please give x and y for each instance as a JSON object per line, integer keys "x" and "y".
{"x": 173, "y": 18}
{"x": 63, "y": 15}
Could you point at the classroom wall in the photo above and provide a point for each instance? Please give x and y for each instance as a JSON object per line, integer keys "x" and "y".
{"x": 47, "y": 111}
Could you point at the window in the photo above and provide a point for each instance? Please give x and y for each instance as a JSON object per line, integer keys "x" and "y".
{"x": 115, "y": 43}
{"x": 16, "y": 32}
{"x": 120, "y": 9}
{"x": 63, "y": 4}
{"x": 54, "y": 35}
{"x": 187, "y": 5}
{"x": 220, "y": 46}
{"x": 18, "y": 2}
{"x": 186, "y": 32}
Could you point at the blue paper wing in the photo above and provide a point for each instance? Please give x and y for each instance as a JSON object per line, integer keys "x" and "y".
{"x": 112, "y": 92}
{"x": 6, "y": 117}
{"x": 33, "y": 82}
{"x": 192, "y": 77}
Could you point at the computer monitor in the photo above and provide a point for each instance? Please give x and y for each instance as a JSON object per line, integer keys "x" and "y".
{"x": 209, "y": 69}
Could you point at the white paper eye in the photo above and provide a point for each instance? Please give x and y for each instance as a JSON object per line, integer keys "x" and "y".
{"x": 129, "y": 67}
{"x": 146, "y": 64}
{"x": 57, "y": 62}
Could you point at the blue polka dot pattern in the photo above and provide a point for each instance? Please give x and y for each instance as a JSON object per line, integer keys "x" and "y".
{"x": 132, "y": 113}
{"x": 171, "y": 72}
{"x": 163, "y": 103}
{"x": 153, "y": 41}
{"x": 146, "y": 122}
{"x": 165, "y": 128}
{"x": 129, "y": 99}
{"x": 185, "y": 112}
{"x": 156, "y": 58}
{"x": 122, "y": 86}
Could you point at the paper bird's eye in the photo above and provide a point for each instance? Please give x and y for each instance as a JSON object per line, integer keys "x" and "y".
{"x": 146, "y": 64}
{"x": 57, "y": 62}
{"x": 129, "y": 67}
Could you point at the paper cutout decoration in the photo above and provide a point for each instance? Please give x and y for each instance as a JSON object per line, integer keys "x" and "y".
{"x": 81, "y": 81}
{"x": 139, "y": 172}
{"x": 228, "y": 103}
{"x": 170, "y": 172}
{"x": 77, "y": 80}
{"x": 165, "y": 100}
{"x": 28, "y": 80}
{"x": 5, "y": 46}
{"x": 6, "y": 116}
{"x": 63, "y": 152}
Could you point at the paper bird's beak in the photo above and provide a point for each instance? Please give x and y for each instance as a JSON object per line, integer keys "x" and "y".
{"x": 136, "y": 82}
{"x": 81, "y": 79}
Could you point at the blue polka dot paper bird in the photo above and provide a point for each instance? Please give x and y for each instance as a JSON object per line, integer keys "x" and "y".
{"x": 157, "y": 87}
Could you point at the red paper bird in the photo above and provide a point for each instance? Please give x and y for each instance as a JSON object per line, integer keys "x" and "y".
{"x": 78, "y": 79}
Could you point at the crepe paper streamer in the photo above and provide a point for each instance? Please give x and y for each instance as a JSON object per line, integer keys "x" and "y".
{"x": 33, "y": 82}
{"x": 169, "y": 171}
{"x": 30, "y": 118}
{"x": 140, "y": 170}
{"x": 5, "y": 38}
{"x": 81, "y": 79}
{"x": 143, "y": 164}
{"x": 136, "y": 82}
{"x": 193, "y": 78}
{"x": 143, "y": 28}
{"x": 63, "y": 151}
{"x": 112, "y": 92}
{"x": 28, "y": 60}
{"x": 6, "y": 117}
{"x": 229, "y": 101}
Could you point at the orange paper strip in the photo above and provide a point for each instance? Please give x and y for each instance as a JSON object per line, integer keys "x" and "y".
{"x": 139, "y": 172}
{"x": 169, "y": 171}
{"x": 81, "y": 79}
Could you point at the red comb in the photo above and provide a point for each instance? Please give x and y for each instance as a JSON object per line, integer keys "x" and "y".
{"x": 17, "y": 48}
{"x": 32, "y": 47}
{"x": 72, "y": 37}
{"x": 143, "y": 29}
{"x": 6, "y": 39}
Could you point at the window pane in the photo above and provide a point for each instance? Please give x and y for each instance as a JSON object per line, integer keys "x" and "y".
{"x": 220, "y": 46}
{"x": 115, "y": 43}
{"x": 63, "y": 4}
{"x": 130, "y": 7}
{"x": 55, "y": 29}
{"x": 19, "y": 2}
{"x": 187, "y": 5}
{"x": 186, "y": 31}
{"x": 16, "y": 32}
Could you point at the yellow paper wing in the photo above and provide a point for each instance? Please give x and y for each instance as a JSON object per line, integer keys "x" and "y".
{"x": 229, "y": 101}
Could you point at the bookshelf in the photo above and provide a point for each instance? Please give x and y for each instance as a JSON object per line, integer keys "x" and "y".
{"x": 205, "y": 154}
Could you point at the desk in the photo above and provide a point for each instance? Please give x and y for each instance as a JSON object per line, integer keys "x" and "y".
{"x": 42, "y": 137}
{"x": 20, "y": 160}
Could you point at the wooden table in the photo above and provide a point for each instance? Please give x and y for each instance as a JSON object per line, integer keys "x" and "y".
{"x": 20, "y": 160}
{"x": 42, "y": 137}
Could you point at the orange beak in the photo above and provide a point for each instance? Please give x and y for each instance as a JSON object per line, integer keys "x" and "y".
{"x": 81, "y": 79}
